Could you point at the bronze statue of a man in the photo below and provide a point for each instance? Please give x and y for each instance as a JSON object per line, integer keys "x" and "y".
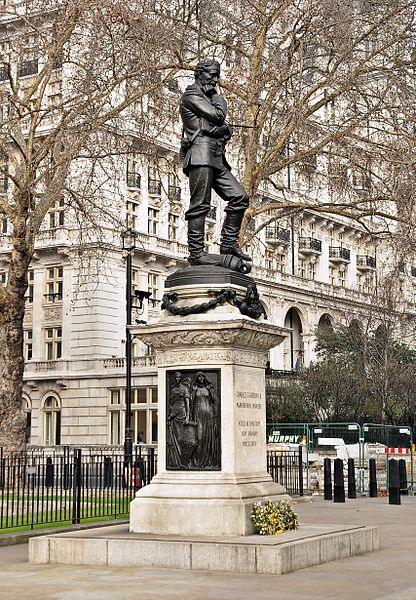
{"x": 203, "y": 112}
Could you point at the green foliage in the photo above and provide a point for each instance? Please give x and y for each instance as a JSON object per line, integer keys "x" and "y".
{"x": 360, "y": 376}
{"x": 273, "y": 518}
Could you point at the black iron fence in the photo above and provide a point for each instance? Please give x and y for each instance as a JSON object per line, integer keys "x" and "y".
{"x": 286, "y": 468}
{"x": 70, "y": 485}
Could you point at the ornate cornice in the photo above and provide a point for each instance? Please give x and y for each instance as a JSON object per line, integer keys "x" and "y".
{"x": 236, "y": 333}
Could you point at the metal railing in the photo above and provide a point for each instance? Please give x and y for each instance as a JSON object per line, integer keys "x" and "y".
{"x": 277, "y": 234}
{"x": 345, "y": 440}
{"x": 69, "y": 485}
{"x": 338, "y": 252}
{"x": 310, "y": 244}
{"x": 62, "y": 485}
{"x": 365, "y": 261}
{"x": 286, "y": 468}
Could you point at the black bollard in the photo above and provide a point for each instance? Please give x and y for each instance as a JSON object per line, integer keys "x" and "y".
{"x": 373, "y": 478}
{"x": 339, "y": 488}
{"x": 327, "y": 479}
{"x": 403, "y": 477}
{"x": 352, "y": 490}
{"x": 394, "y": 482}
{"x": 108, "y": 472}
{"x": 49, "y": 472}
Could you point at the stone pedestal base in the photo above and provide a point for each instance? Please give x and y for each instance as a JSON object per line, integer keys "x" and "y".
{"x": 221, "y": 508}
{"x": 212, "y": 496}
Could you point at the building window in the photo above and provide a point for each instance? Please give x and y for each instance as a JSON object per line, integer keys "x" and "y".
{"x": 133, "y": 171}
{"x": 302, "y": 268}
{"x": 27, "y": 409}
{"x": 51, "y": 421}
{"x": 56, "y": 214}
{"x": 4, "y": 179}
{"x": 153, "y": 221}
{"x": 4, "y": 226}
{"x": 132, "y": 213}
{"x": 54, "y": 284}
{"x": 30, "y": 286}
{"x": 173, "y": 227}
{"x": 143, "y": 419}
{"x": 28, "y": 67}
{"x": 55, "y": 95}
{"x": 115, "y": 421}
{"x": 28, "y": 343}
{"x": 153, "y": 286}
{"x": 154, "y": 184}
{"x": 53, "y": 343}
{"x": 311, "y": 270}
{"x": 4, "y": 72}
{"x": 174, "y": 190}
{"x": 3, "y": 279}
{"x": 341, "y": 277}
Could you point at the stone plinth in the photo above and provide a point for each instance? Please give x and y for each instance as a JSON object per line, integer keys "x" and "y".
{"x": 233, "y": 351}
{"x": 114, "y": 546}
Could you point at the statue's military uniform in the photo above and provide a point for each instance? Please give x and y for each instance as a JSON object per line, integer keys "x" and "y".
{"x": 204, "y": 125}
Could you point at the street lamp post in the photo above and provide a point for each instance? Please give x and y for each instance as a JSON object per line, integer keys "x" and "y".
{"x": 129, "y": 245}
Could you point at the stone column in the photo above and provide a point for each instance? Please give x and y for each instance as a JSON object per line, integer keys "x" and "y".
{"x": 212, "y": 497}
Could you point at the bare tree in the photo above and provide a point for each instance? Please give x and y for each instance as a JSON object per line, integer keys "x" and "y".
{"x": 70, "y": 73}
{"x": 328, "y": 88}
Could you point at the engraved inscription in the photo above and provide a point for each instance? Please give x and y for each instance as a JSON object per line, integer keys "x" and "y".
{"x": 247, "y": 423}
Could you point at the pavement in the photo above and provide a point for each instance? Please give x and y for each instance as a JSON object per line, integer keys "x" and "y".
{"x": 389, "y": 574}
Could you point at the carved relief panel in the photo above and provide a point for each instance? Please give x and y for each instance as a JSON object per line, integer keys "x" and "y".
{"x": 193, "y": 420}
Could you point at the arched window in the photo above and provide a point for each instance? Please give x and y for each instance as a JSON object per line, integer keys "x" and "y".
{"x": 325, "y": 323}
{"x": 27, "y": 408}
{"x": 51, "y": 421}
{"x": 293, "y": 346}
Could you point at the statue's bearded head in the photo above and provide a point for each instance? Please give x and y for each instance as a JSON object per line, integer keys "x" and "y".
{"x": 207, "y": 73}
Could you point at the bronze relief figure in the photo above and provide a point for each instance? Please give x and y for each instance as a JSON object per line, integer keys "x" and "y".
{"x": 193, "y": 421}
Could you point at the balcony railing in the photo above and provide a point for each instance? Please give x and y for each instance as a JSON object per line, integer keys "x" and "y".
{"x": 365, "y": 262}
{"x": 120, "y": 363}
{"x": 47, "y": 365}
{"x": 56, "y": 297}
{"x": 155, "y": 187}
{"x": 310, "y": 244}
{"x": 133, "y": 180}
{"x": 277, "y": 235}
{"x": 339, "y": 254}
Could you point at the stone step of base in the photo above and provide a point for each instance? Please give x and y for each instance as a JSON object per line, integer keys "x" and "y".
{"x": 115, "y": 546}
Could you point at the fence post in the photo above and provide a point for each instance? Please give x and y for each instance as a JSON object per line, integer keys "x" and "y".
{"x": 394, "y": 482}
{"x": 352, "y": 490}
{"x": 339, "y": 489}
{"x": 403, "y": 477}
{"x": 327, "y": 479}
{"x": 2, "y": 469}
{"x": 300, "y": 470}
{"x": 151, "y": 457}
{"x": 373, "y": 478}
{"x": 361, "y": 460}
{"x": 76, "y": 500}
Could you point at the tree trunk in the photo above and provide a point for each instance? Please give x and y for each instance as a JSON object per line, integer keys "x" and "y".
{"x": 12, "y": 310}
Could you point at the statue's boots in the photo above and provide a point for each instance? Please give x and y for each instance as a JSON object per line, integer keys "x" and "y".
{"x": 196, "y": 239}
{"x": 229, "y": 235}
